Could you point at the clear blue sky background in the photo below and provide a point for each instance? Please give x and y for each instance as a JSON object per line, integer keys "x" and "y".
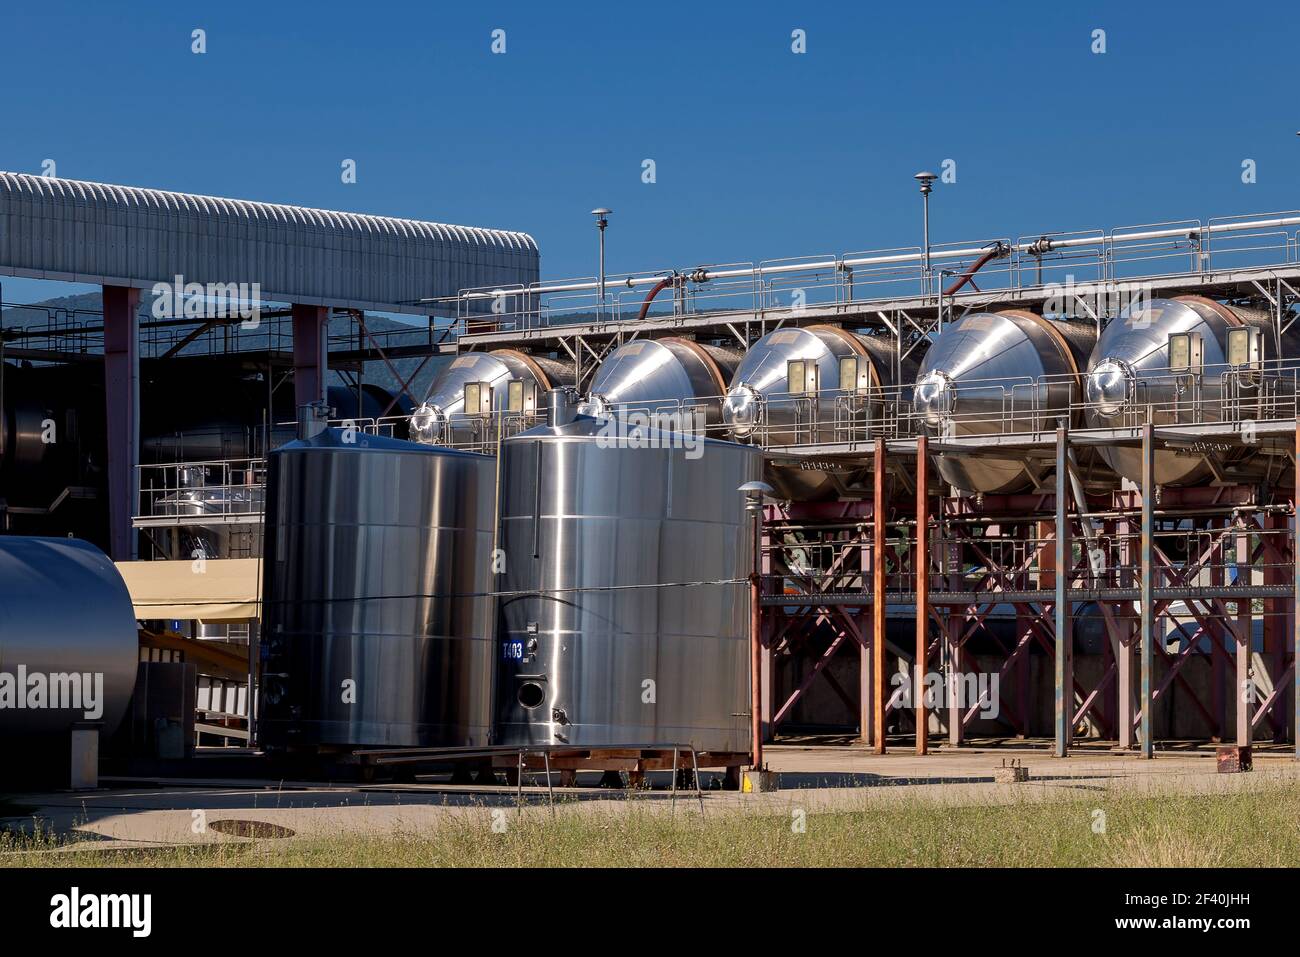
{"x": 760, "y": 153}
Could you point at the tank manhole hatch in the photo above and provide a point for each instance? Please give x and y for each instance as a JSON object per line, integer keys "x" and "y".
{"x": 258, "y": 829}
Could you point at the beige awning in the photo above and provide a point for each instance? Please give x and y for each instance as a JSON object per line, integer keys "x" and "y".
{"x": 214, "y": 590}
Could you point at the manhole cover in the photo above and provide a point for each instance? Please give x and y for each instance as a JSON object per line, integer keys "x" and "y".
{"x": 242, "y": 828}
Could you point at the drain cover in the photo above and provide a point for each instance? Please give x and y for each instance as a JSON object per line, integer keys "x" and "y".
{"x": 241, "y": 828}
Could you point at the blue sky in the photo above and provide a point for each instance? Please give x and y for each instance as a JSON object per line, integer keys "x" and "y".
{"x": 759, "y": 152}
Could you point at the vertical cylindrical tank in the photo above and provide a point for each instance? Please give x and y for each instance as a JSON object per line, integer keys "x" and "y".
{"x": 626, "y": 614}
{"x": 376, "y": 622}
{"x": 68, "y": 639}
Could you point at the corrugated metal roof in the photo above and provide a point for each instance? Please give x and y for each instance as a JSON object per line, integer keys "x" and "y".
{"x": 122, "y": 235}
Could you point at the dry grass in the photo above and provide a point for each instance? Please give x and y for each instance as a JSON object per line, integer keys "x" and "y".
{"x": 1258, "y": 825}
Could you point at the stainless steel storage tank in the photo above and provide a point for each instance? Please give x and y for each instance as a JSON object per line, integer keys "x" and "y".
{"x": 999, "y": 372}
{"x": 376, "y": 626}
{"x": 458, "y": 410}
{"x": 627, "y": 619}
{"x": 65, "y": 614}
{"x": 1134, "y": 373}
{"x": 669, "y": 375}
{"x": 844, "y": 384}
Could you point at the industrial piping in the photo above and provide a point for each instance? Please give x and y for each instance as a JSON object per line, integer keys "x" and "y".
{"x": 703, "y": 274}
{"x": 996, "y": 251}
{"x": 655, "y": 290}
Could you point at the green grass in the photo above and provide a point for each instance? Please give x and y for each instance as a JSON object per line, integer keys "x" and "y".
{"x": 1257, "y": 826}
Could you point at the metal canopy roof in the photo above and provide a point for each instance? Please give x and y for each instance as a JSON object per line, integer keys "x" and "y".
{"x": 77, "y": 231}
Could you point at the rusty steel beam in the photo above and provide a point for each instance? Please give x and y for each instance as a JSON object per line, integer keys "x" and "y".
{"x": 921, "y": 568}
{"x": 310, "y": 353}
{"x": 866, "y": 708}
{"x": 817, "y": 669}
{"x": 1275, "y": 615}
{"x": 122, "y": 410}
{"x": 1147, "y": 637}
{"x": 756, "y": 648}
{"x": 1064, "y": 618}
{"x": 768, "y": 640}
{"x": 1245, "y": 648}
{"x": 878, "y": 513}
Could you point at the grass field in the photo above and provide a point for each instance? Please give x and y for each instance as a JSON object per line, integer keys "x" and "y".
{"x": 1256, "y": 826}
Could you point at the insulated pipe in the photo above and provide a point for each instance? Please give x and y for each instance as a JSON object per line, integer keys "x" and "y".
{"x": 703, "y": 274}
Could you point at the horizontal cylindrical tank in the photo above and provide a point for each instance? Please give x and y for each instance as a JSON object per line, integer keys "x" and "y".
{"x": 68, "y": 633}
{"x": 844, "y": 384}
{"x": 376, "y": 625}
{"x": 626, "y": 619}
{"x": 228, "y": 427}
{"x": 669, "y": 375}
{"x": 993, "y": 373}
{"x": 478, "y": 391}
{"x": 1134, "y": 375}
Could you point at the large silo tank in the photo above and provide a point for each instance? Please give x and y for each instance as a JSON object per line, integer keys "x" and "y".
{"x": 604, "y": 639}
{"x": 65, "y": 614}
{"x": 457, "y": 409}
{"x": 669, "y": 375}
{"x": 993, "y": 373}
{"x": 845, "y": 385}
{"x": 1132, "y": 371}
{"x": 376, "y": 564}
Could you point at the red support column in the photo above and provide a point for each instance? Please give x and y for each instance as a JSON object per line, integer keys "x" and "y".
{"x": 955, "y": 626}
{"x": 1146, "y": 587}
{"x": 310, "y": 358}
{"x": 865, "y": 654}
{"x": 122, "y": 409}
{"x": 1275, "y": 613}
{"x": 878, "y": 512}
{"x": 756, "y": 670}
{"x": 1218, "y": 656}
{"x": 767, "y": 671}
{"x": 1295, "y": 599}
{"x": 1124, "y": 651}
{"x": 921, "y": 567}
{"x": 1246, "y": 687}
{"x": 1062, "y": 567}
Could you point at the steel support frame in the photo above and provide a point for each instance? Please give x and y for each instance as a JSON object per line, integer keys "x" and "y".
{"x": 1258, "y": 540}
{"x": 122, "y": 411}
{"x": 1064, "y": 564}
{"x": 310, "y": 353}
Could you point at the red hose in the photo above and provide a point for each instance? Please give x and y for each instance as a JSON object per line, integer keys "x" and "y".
{"x": 655, "y": 290}
{"x": 996, "y": 251}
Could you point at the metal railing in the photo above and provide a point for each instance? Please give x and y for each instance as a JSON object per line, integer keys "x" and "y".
{"x": 1208, "y": 562}
{"x": 1236, "y": 401}
{"x": 1032, "y": 262}
{"x": 198, "y": 493}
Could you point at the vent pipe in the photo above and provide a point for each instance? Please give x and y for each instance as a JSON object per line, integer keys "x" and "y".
{"x": 561, "y": 407}
{"x": 313, "y": 417}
